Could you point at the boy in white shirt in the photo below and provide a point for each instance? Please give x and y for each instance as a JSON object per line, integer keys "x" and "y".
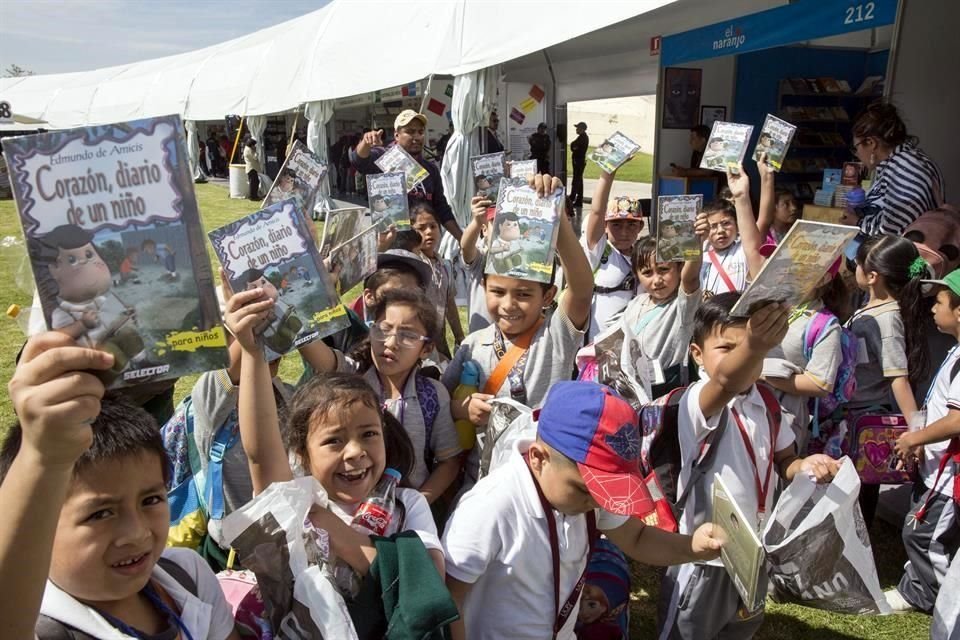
{"x": 731, "y": 256}
{"x": 699, "y": 600}
{"x": 931, "y": 530}
{"x": 516, "y": 547}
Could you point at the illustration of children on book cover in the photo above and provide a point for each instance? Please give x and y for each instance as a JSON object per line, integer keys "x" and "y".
{"x": 614, "y": 151}
{"x": 796, "y": 267}
{"x": 726, "y": 147}
{"x": 487, "y": 172}
{"x": 774, "y": 140}
{"x": 114, "y": 238}
{"x": 299, "y": 178}
{"x": 356, "y": 259}
{"x": 387, "y": 195}
{"x": 397, "y": 160}
{"x": 523, "y": 241}
{"x": 676, "y": 239}
{"x": 259, "y": 251}
{"x": 339, "y": 227}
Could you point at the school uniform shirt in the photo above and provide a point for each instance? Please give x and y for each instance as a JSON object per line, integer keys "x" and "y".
{"x": 664, "y": 330}
{"x": 497, "y": 540}
{"x": 477, "y": 315}
{"x": 606, "y": 308}
{"x": 417, "y": 517}
{"x": 881, "y": 353}
{"x": 943, "y": 396}
{"x": 437, "y": 291}
{"x": 906, "y": 185}
{"x": 731, "y": 459}
{"x": 206, "y": 614}
{"x": 733, "y": 261}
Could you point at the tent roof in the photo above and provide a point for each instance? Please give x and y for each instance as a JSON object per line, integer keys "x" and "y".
{"x": 328, "y": 53}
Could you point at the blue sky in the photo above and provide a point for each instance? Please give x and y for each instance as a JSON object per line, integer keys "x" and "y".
{"x": 53, "y": 36}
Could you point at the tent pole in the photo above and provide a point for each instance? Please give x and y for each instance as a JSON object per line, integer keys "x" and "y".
{"x": 236, "y": 140}
{"x": 426, "y": 93}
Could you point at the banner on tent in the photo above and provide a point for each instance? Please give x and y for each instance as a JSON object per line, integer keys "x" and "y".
{"x": 796, "y": 22}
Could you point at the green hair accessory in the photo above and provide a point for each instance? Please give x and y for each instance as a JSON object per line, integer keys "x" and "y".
{"x": 918, "y": 267}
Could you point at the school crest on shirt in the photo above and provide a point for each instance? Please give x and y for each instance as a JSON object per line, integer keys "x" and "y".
{"x": 625, "y": 442}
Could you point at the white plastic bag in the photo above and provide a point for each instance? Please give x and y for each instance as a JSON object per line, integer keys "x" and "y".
{"x": 509, "y": 422}
{"x": 818, "y": 550}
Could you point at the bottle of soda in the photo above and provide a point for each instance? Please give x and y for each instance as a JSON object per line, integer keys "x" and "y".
{"x": 374, "y": 514}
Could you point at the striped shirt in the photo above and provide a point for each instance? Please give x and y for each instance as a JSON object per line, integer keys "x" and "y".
{"x": 907, "y": 184}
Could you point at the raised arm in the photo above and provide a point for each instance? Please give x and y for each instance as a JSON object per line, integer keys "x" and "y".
{"x": 468, "y": 241}
{"x": 768, "y": 198}
{"x": 749, "y": 233}
{"x": 690, "y": 273}
{"x": 656, "y": 547}
{"x": 595, "y": 223}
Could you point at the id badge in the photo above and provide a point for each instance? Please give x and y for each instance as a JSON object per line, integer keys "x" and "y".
{"x": 656, "y": 372}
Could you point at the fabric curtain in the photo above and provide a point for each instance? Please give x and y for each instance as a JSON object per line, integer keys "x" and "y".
{"x": 193, "y": 151}
{"x": 474, "y": 97}
{"x": 257, "y": 125}
{"x": 318, "y": 114}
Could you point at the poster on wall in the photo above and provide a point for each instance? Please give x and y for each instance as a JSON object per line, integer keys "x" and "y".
{"x": 681, "y": 101}
{"x": 525, "y": 109}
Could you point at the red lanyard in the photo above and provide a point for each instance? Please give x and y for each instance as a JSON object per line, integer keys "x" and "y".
{"x": 762, "y": 489}
{"x": 571, "y": 602}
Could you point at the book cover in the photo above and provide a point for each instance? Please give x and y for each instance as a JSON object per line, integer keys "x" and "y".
{"x": 774, "y": 140}
{"x": 814, "y": 86}
{"x": 522, "y": 168}
{"x": 742, "y": 553}
{"x": 799, "y": 85}
{"x": 852, "y": 171}
{"x": 397, "y": 160}
{"x": 341, "y": 225}
{"x": 830, "y": 85}
{"x": 797, "y": 265}
{"x": 299, "y": 178}
{"x": 614, "y": 151}
{"x": 831, "y": 178}
{"x": 487, "y": 172}
{"x": 115, "y": 242}
{"x": 387, "y": 195}
{"x": 356, "y": 258}
{"x": 676, "y": 239}
{"x": 839, "y": 113}
{"x": 274, "y": 249}
{"x": 726, "y": 147}
{"x": 844, "y": 86}
{"x": 524, "y": 237}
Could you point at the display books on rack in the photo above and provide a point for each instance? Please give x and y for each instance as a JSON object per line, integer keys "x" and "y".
{"x": 829, "y": 85}
{"x": 798, "y": 85}
{"x": 676, "y": 217}
{"x": 774, "y": 140}
{"x": 726, "y": 147}
{"x": 114, "y": 238}
{"x": 299, "y": 178}
{"x": 871, "y": 85}
{"x": 524, "y": 236}
{"x": 396, "y": 159}
{"x": 790, "y": 275}
{"x": 844, "y": 86}
{"x": 356, "y": 259}
{"x": 340, "y": 225}
{"x": 742, "y": 552}
{"x": 831, "y": 178}
{"x": 840, "y": 195}
{"x": 387, "y": 195}
{"x": 852, "y": 172}
{"x": 614, "y": 151}
{"x": 273, "y": 249}
{"x": 522, "y": 168}
{"x": 839, "y": 113}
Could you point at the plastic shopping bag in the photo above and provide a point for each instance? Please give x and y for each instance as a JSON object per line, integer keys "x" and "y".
{"x": 509, "y": 423}
{"x": 818, "y": 550}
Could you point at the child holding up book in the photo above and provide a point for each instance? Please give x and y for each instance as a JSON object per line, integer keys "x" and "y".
{"x": 661, "y": 318}
{"x": 83, "y": 492}
{"x": 701, "y": 601}
{"x": 732, "y": 252}
{"x": 779, "y": 208}
{"x": 440, "y": 289}
{"x": 931, "y": 530}
{"x": 473, "y": 253}
{"x": 524, "y": 352}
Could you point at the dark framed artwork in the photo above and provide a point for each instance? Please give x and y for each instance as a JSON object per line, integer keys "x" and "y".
{"x": 710, "y": 113}
{"x": 681, "y": 102}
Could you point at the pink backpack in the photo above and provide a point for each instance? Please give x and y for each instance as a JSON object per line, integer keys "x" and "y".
{"x": 846, "y": 383}
{"x": 871, "y": 447}
{"x": 243, "y": 595}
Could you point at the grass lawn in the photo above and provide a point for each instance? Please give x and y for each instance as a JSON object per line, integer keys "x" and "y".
{"x": 783, "y": 621}
{"x": 639, "y": 169}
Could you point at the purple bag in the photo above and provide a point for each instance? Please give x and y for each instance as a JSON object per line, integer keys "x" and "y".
{"x": 872, "y": 447}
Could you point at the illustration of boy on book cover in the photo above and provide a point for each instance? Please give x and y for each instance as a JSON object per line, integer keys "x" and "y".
{"x": 111, "y": 223}
{"x": 257, "y": 251}
{"x": 487, "y": 172}
{"x": 774, "y": 140}
{"x": 523, "y": 242}
{"x": 387, "y": 195}
{"x": 614, "y": 151}
{"x": 355, "y": 259}
{"x": 397, "y": 160}
{"x": 339, "y": 226}
{"x": 726, "y": 147}
{"x": 676, "y": 239}
{"x": 299, "y": 178}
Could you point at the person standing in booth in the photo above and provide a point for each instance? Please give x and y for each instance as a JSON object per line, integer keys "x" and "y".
{"x": 578, "y": 158}
{"x": 251, "y": 163}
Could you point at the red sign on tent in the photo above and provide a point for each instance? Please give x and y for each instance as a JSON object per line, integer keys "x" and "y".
{"x": 655, "y": 43}
{"x": 436, "y": 107}
{"x": 537, "y": 93}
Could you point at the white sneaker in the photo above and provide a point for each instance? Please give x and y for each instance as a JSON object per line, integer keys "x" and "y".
{"x": 897, "y": 602}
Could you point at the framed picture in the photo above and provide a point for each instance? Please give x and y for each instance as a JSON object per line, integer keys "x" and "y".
{"x": 710, "y": 113}
{"x": 681, "y": 100}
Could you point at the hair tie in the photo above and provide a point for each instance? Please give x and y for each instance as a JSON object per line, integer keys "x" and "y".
{"x": 918, "y": 267}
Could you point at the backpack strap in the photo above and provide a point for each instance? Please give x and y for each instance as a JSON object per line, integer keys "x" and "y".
{"x": 429, "y": 403}
{"x": 225, "y": 437}
{"x": 703, "y": 460}
{"x": 774, "y": 410}
{"x": 718, "y": 266}
{"x": 818, "y": 324}
{"x": 178, "y": 573}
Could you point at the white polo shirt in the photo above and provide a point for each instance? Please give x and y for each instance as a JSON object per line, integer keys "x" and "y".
{"x": 733, "y": 261}
{"x": 944, "y": 395}
{"x": 607, "y": 307}
{"x": 497, "y": 540}
{"x": 206, "y": 615}
{"x": 731, "y": 459}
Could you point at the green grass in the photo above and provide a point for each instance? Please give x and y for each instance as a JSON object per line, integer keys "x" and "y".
{"x": 639, "y": 169}
{"x": 783, "y": 621}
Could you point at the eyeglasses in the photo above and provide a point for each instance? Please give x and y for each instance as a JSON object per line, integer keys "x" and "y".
{"x": 726, "y": 224}
{"x": 403, "y": 338}
{"x": 856, "y": 146}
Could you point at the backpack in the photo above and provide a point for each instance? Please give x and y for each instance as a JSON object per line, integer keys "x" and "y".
{"x": 660, "y": 458}
{"x": 846, "y": 383}
{"x": 195, "y": 497}
{"x": 48, "y": 628}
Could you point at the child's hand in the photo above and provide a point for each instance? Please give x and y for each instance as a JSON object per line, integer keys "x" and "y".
{"x": 385, "y": 239}
{"x": 478, "y": 207}
{"x": 544, "y": 183}
{"x": 701, "y": 227}
{"x": 739, "y": 183}
{"x": 246, "y": 311}
{"x": 704, "y": 543}
{"x": 766, "y": 171}
{"x": 57, "y": 397}
{"x": 820, "y": 466}
{"x": 906, "y": 448}
{"x": 767, "y": 327}
{"x": 478, "y": 408}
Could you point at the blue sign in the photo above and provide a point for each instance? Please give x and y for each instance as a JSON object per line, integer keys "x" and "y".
{"x": 796, "y": 22}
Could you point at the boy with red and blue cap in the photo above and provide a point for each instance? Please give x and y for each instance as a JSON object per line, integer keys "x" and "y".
{"x": 517, "y": 545}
